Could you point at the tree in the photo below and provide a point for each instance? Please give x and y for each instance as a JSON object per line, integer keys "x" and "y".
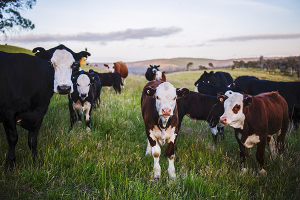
{"x": 188, "y": 66}
{"x": 211, "y": 65}
{"x": 261, "y": 62}
{"x": 10, "y": 16}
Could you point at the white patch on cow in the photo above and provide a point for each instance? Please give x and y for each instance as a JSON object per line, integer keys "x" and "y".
{"x": 62, "y": 61}
{"x": 234, "y": 120}
{"x": 158, "y": 75}
{"x": 149, "y": 149}
{"x": 240, "y": 136}
{"x": 171, "y": 168}
{"x": 156, "y": 151}
{"x": 251, "y": 140}
{"x": 83, "y": 85}
{"x": 228, "y": 93}
{"x": 78, "y": 106}
{"x": 214, "y": 130}
{"x": 87, "y": 107}
{"x": 111, "y": 68}
{"x": 196, "y": 89}
{"x": 165, "y": 99}
{"x": 272, "y": 147}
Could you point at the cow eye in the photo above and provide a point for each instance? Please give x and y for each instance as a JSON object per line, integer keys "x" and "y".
{"x": 77, "y": 84}
{"x": 89, "y": 84}
{"x": 174, "y": 98}
{"x": 157, "y": 98}
{"x": 238, "y": 107}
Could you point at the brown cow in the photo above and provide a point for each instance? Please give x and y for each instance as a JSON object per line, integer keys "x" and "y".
{"x": 119, "y": 67}
{"x": 159, "y": 110}
{"x": 160, "y": 76}
{"x": 255, "y": 120}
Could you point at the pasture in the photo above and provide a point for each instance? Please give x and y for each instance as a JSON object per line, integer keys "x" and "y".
{"x": 110, "y": 163}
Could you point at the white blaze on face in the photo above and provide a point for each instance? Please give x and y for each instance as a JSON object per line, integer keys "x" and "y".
{"x": 165, "y": 101}
{"x": 158, "y": 75}
{"x": 111, "y": 68}
{"x": 233, "y": 111}
{"x": 62, "y": 61}
{"x": 83, "y": 86}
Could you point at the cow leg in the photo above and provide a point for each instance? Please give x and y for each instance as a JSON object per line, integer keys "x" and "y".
{"x": 149, "y": 149}
{"x": 32, "y": 140}
{"x": 272, "y": 146}
{"x": 123, "y": 80}
{"x": 88, "y": 115}
{"x": 243, "y": 150}
{"x": 12, "y": 138}
{"x": 170, "y": 151}
{"x": 221, "y": 130}
{"x": 260, "y": 156}
{"x": 156, "y": 151}
{"x": 79, "y": 113}
{"x": 73, "y": 117}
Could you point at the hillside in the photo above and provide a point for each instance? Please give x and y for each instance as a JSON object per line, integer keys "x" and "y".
{"x": 14, "y": 49}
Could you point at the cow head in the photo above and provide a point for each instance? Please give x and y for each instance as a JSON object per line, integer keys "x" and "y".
{"x": 205, "y": 77}
{"x": 234, "y": 105}
{"x": 62, "y": 62}
{"x": 111, "y": 67}
{"x": 166, "y": 95}
{"x": 154, "y": 68}
{"x": 83, "y": 85}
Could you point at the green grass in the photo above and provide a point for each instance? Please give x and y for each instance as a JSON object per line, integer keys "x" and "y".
{"x": 14, "y": 49}
{"x": 110, "y": 162}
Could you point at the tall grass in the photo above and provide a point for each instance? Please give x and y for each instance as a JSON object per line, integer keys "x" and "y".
{"x": 110, "y": 162}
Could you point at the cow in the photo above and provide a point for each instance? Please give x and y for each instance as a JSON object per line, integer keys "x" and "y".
{"x": 206, "y": 88}
{"x": 27, "y": 84}
{"x": 253, "y": 86}
{"x": 255, "y": 120}
{"x": 110, "y": 79}
{"x": 47, "y": 55}
{"x": 159, "y": 111}
{"x": 83, "y": 98}
{"x": 151, "y": 72}
{"x": 218, "y": 78}
{"x": 199, "y": 106}
{"x": 160, "y": 76}
{"x": 118, "y": 67}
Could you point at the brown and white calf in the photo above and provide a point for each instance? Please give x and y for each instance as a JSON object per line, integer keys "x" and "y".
{"x": 255, "y": 120}
{"x": 159, "y": 110}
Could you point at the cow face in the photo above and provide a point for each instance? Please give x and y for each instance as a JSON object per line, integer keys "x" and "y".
{"x": 111, "y": 67}
{"x": 83, "y": 86}
{"x": 233, "y": 109}
{"x": 62, "y": 61}
{"x": 166, "y": 95}
{"x": 158, "y": 75}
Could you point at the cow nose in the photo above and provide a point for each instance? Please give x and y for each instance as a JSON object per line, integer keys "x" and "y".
{"x": 83, "y": 94}
{"x": 63, "y": 89}
{"x": 223, "y": 120}
{"x": 166, "y": 111}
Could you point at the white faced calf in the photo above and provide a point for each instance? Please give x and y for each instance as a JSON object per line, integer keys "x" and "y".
{"x": 160, "y": 116}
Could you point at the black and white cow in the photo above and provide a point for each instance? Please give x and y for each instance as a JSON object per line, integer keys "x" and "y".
{"x": 27, "y": 84}
{"x": 47, "y": 55}
{"x": 199, "y": 106}
{"x": 83, "y": 98}
{"x": 159, "y": 110}
{"x": 151, "y": 72}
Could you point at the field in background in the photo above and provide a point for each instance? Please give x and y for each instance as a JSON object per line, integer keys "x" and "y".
{"x": 110, "y": 162}
{"x": 14, "y": 49}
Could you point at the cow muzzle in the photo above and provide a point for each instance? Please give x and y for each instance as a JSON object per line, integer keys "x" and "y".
{"x": 63, "y": 89}
{"x": 166, "y": 112}
{"x": 223, "y": 120}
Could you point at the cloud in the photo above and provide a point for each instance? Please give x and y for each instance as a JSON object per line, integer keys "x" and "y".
{"x": 255, "y": 5}
{"x": 258, "y": 37}
{"x": 186, "y": 45}
{"x": 100, "y": 37}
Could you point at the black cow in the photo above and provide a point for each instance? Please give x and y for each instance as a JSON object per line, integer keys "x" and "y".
{"x": 110, "y": 79}
{"x": 206, "y": 88}
{"x": 288, "y": 90}
{"x": 47, "y": 54}
{"x": 83, "y": 98}
{"x": 27, "y": 84}
{"x": 151, "y": 72}
{"x": 199, "y": 106}
{"x": 218, "y": 78}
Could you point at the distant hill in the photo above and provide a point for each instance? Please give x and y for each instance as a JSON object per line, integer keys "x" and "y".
{"x": 14, "y": 49}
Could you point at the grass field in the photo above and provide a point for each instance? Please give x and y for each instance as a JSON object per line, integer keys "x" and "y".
{"x": 110, "y": 163}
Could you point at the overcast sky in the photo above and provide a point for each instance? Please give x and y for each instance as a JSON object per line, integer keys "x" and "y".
{"x": 134, "y": 30}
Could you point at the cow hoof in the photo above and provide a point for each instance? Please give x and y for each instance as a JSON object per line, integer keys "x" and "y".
{"x": 262, "y": 172}
{"x": 88, "y": 129}
{"x": 148, "y": 153}
{"x": 79, "y": 122}
{"x": 244, "y": 170}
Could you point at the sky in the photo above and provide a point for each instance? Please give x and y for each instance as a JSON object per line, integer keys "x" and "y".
{"x": 136, "y": 30}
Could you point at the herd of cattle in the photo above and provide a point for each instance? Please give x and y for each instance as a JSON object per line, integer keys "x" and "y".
{"x": 256, "y": 109}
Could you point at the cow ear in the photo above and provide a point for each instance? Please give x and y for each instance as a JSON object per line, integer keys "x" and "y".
{"x": 221, "y": 97}
{"x": 182, "y": 92}
{"x": 205, "y": 72}
{"x": 211, "y": 72}
{"x": 158, "y": 66}
{"x": 149, "y": 91}
{"x": 151, "y": 65}
{"x": 247, "y": 101}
